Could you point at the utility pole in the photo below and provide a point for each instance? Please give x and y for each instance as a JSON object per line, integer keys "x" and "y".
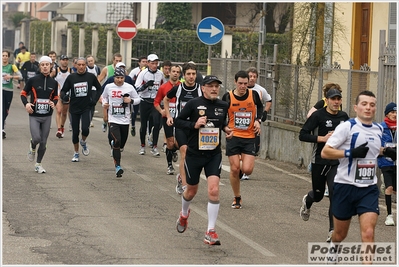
{"x": 262, "y": 34}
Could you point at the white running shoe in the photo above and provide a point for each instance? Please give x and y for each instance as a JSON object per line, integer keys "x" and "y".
{"x": 389, "y": 220}
{"x": 326, "y": 194}
{"x": 142, "y": 151}
{"x": 85, "y": 149}
{"x": 179, "y": 186}
{"x": 171, "y": 170}
{"x": 39, "y": 168}
{"x": 303, "y": 211}
{"x": 75, "y": 157}
{"x": 244, "y": 177}
{"x": 31, "y": 154}
{"x": 329, "y": 236}
{"x": 155, "y": 152}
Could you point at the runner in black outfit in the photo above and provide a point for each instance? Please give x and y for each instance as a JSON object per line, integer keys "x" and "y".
{"x": 204, "y": 117}
{"x": 78, "y": 90}
{"x": 39, "y": 97}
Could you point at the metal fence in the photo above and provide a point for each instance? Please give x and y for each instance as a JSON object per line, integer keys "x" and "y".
{"x": 295, "y": 89}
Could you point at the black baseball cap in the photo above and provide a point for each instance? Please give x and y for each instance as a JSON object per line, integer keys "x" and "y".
{"x": 64, "y": 57}
{"x": 211, "y": 78}
{"x": 333, "y": 92}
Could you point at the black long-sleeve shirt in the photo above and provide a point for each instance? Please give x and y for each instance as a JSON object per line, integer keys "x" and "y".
{"x": 319, "y": 124}
{"x": 80, "y": 90}
{"x": 40, "y": 89}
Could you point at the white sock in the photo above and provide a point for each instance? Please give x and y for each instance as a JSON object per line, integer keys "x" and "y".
{"x": 213, "y": 211}
{"x": 184, "y": 206}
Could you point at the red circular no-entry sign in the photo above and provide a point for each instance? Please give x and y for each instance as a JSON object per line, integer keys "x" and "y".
{"x": 126, "y": 29}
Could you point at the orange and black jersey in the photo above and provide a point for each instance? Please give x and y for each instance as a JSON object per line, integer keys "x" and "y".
{"x": 243, "y": 111}
{"x": 41, "y": 89}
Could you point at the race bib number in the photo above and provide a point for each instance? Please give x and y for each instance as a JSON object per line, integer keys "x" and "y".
{"x": 172, "y": 109}
{"x": 208, "y": 138}
{"x": 242, "y": 120}
{"x": 30, "y": 74}
{"x": 4, "y": 80}
{"x": 81, "y": 89}
{"x": 117, "y": 110}
{"x": 42, "y": 106}
{"x": 365, "y": 171}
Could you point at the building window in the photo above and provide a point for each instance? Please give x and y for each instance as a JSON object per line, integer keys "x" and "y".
{"x": 119, "y": 11}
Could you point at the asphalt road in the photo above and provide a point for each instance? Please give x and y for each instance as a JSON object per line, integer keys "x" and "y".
{"x": 80, "y": 213}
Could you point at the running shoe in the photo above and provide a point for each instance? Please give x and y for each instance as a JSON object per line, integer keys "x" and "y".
{"x": 91, "y": 124}
{"x": 59, "y": 133}
{"x": 175, "y": 157}
{"x": 179, "y": 186}
{"x": 62, "y": 132}
{"x": 326, "y": 194}
{"x": 389, "y": 220}
{"x": 142, "y": 150}
{"x": 244, "y": 177}
{"x": 85, "y": 149}
{"x": 211, "y": 238}
{"x": 75, "y": 157}
{"x": 31, "y": 154}
{"x": 236, "y": 203}
{"x": 303, "y": 211}
{"x": 133, "y": 131}
{"x": 39, "y": 168}
{"x": 329, "y": 236}
{"x": 4, "y": 134}
{"x": 164, "y": 148}
{"x": 181, "y": 224}
{"x": 70, "y": 127}
{"x": 155, "y": 152}
{"x": 104, "y": 127}
{"x": 118, "y": 171}
{"x": 171, "y": 170}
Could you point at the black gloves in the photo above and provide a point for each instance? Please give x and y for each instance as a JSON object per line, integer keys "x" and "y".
{"x": 357, "y": 152}
{"x": 145, "y": 86}
{"x": 66, "y": 98}
{"x": 149, "y": 83}
{"x": 390, "y": 152}
{"x": 264, "y": 116}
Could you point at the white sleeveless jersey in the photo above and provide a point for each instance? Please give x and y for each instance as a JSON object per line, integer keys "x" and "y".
{"x": 93, "y": 70}
{"x": 113, "y": 95}
{"x": 183, "y": 95}
{"x": 61, "y": 77}
{"x": 360, "y": 172}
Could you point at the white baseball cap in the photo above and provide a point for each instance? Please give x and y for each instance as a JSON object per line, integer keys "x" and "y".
{"x": 152, "y": 57}
{"x": 120, "y": 64}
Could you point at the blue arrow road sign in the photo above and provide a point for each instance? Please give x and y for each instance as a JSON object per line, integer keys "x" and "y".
{"x": 210, "y": 30}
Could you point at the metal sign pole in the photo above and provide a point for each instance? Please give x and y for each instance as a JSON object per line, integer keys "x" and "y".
{"x": 209, "y": 68}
